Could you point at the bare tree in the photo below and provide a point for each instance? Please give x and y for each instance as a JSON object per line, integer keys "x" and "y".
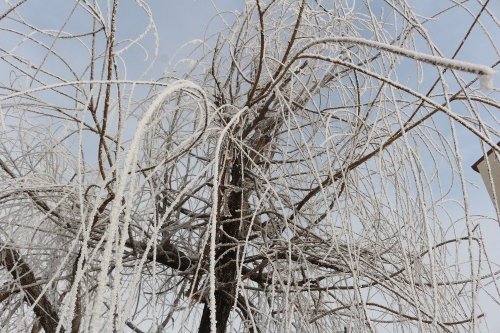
{"x": 299, "y": 171}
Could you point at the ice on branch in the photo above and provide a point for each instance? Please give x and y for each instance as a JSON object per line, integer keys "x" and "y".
{"x": 485, "y": 73}
{"x": 486, "y": 81}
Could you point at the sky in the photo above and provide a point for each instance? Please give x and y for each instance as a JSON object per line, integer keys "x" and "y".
{"x": 447, "y": 33}
{"x": 179, "y": 22}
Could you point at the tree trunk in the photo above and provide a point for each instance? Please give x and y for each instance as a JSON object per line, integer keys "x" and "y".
{"x": 225, "y": 269}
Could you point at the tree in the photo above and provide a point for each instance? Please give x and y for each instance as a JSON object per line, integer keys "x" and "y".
{"x": 301, "y": 173}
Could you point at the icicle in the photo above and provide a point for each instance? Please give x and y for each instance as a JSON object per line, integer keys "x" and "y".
{"x": 486, "y": 81}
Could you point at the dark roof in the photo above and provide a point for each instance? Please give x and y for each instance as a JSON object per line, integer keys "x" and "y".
{"x": 474, "y": 166}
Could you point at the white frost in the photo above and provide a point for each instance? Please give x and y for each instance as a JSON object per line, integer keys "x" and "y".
{"x": 484, "y": 73}
{"x": 486, "y": 81}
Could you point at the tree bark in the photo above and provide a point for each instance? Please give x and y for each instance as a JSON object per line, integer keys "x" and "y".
{"x": 225, "y": 269}
{"x": 20, "y": 270}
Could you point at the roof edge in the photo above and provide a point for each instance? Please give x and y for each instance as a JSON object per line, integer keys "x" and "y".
{"x": 474, "y": 166}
